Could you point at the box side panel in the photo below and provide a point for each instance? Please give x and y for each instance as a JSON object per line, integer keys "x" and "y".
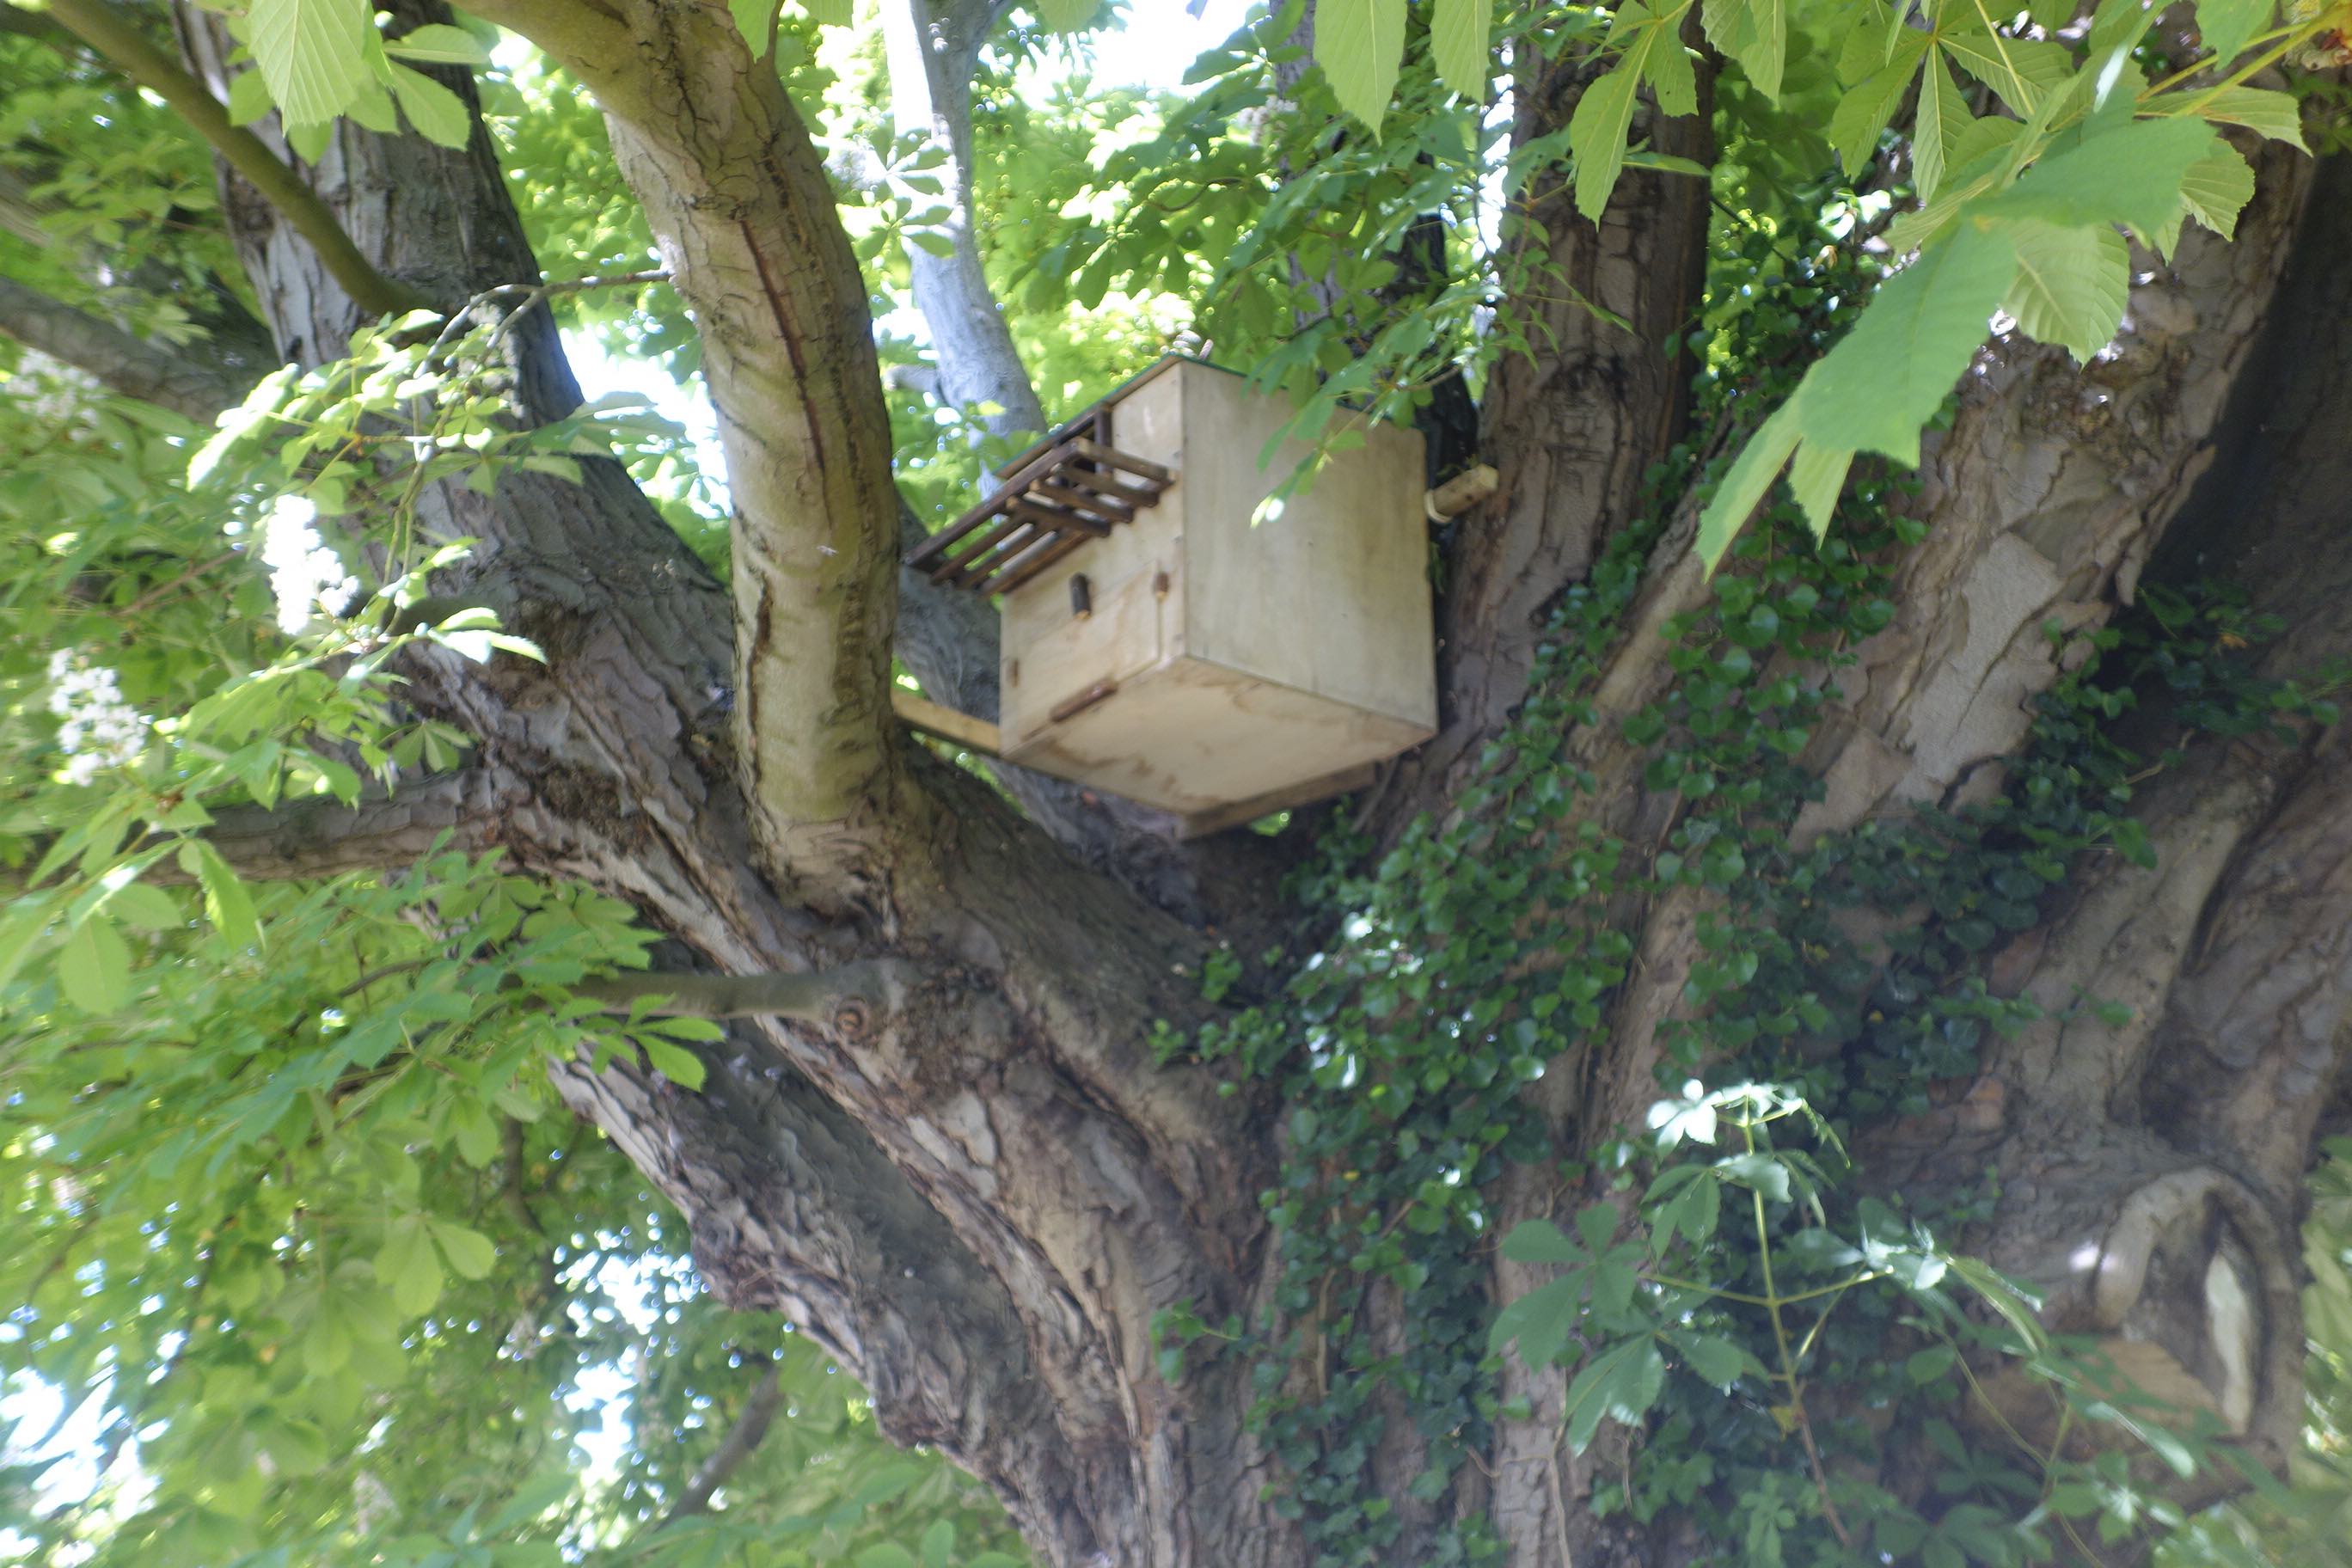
{"x": 1332, "y": 595}
{"x": 1050, "y": 656}
{"x": 1192, "y": 737}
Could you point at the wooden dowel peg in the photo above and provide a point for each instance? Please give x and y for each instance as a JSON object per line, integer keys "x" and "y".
{"x": 1463, "y": 491}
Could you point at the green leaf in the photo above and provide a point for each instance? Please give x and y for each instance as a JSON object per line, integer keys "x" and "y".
{"x": 885, "y": 1554}
{"x": 2215, "y": 190}
{"x": 1460, "y": 43}
{"x": 25, "y": 923}
{"x": 1061, "y": 15}
{"x": 2273, "y": 114}
{"x": 373, "y": 110}
{"x": 1665, "y": 163}
{"x": 1996, "y": 1294}
{"x": 1753, "y": 32}
{"x": 1538, "y": 1323}
{"x": 2071, "y": 285}
{"x": 149, "y": 909}
{"x": 227, "y": 903}
{"x": 1815, "y": 477}
{"x": 408, "y": 1267}
{"x": 1620, "y": 1384}
{"x": 439, "y": 115}
{"x": 1541, "y": 1241}
{"x": 94, "y": 967}
{"x": 1926, "y": 1366}
{"x": 830, "y": 13}
{"x": 248, "y": 97}
{"x": 1673, "y": 81}
{"x": 2121, "y": 171}
{"x": 937, "y": 1545}
{"x": 1694, "y": 1210}
{"x": 1864, "y": 110}
{"x": 1887, "y": 376}
{"x": 2226, "y": 24}
{"x": 1359, "y": 44}
{"x": 2024, "y": 71}
{"x": 1943, "y": 116}
{"x": 681, "y": 1067}
{"x": 1718, "y": 1361}
{"x": 1751, "y": 474}
{"x": 311, "y": 53}
{"x": 469, "y": 1252}
{"x": 756, "y": 20}
{"x": 1758, "y": 1170}
{"x": 476, "y": 1133}
{"x": 439, "y": 44}
{"x": 1596, "y": 131}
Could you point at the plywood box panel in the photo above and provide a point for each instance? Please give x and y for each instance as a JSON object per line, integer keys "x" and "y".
{"x": 1331, "y": 595}
{"x": 1190, "y": 737}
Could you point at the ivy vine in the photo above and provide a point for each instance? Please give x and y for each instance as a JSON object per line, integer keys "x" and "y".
{"x": 1483, "y": 950}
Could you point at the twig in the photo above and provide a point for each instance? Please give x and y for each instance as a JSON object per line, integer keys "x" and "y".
{"x": 750, "y": 1426}
{"x": 850, "y": 998}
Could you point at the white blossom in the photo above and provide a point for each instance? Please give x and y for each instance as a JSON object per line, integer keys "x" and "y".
{"x": 97, "y": 730}
{"x": 307, "y": 577}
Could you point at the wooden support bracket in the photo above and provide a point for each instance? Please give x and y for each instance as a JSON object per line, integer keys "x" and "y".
{"x": 922, "y": 714}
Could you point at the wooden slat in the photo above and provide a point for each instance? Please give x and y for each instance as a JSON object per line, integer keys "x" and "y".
{"x": 1111, "y": 507}
{"x": 1017, "y": 551}
{"x": 1107, "y": 486}
{"x": 1059, "y": 517}
{"x": 1055, "y": 496}
{"x": 961, "y": 728}
{"x": 1114, "y": 457}
{"x": 926, "y": 553}
{"x": 1030, "y": 565}
{"x": 1011, "y": 534}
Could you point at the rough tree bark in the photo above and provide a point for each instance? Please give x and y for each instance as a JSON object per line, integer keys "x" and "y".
{"x": 979, "y": 1192}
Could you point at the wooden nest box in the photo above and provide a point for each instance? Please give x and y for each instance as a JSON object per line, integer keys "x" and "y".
{"x": 1158, "y": 646}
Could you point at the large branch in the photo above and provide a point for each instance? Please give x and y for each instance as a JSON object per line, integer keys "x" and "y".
{"x": 794, "y": 1210}
{"x": 148, "y": 372}
{"x": 323, "y": 837}
{"x": 738, "y": 204}
{"x": 932, "y": 47}
{"x": 852, "y": 999}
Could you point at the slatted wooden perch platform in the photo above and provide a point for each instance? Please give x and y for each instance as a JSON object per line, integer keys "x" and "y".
{"x": 1052, "y": 498}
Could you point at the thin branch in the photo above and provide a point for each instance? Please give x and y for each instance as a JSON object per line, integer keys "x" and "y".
{"x": 850, "y": 998}
{"x": 318, "y": 836}
{"x": 32, "y": 24}
{"x": 324, "y": 837}
{"x": 123, "y": 363}
{"x": 119, "y": 42}
{"x": 741, "y": 1440}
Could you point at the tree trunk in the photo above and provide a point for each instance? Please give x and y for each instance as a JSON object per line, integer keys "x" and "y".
{"x": 978, "y": 1190}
